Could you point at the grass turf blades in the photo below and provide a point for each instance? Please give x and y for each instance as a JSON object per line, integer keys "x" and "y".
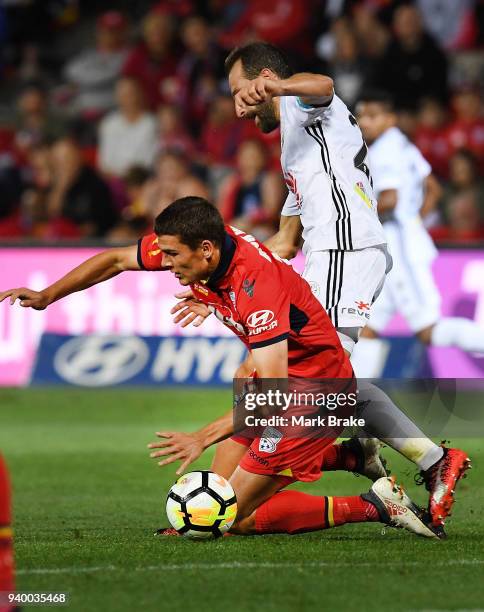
{"x": 87, "y": 499}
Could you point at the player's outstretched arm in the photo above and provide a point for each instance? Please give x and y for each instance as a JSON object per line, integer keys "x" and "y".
{"x": 285, "y": 242}
{"x": 270, "y": 362}
{"x": 312, "y": 89}
{"x": 187, "y": 447}
{"x": 95, "y": 270}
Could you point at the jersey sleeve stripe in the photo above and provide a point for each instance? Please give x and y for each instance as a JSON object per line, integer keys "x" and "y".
{"x": 139, "y": 255}
{"x": 270, "y": 341}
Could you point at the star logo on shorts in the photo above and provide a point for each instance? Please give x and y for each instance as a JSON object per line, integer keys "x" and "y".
{"x": 363, "y": 305}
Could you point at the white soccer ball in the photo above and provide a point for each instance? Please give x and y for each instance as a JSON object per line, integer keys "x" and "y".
{"x": 201, "y": 505}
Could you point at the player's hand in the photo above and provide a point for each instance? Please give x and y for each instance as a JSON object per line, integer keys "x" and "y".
{"x": 189, "y": 310}
{"x": 253, "y": 93}
{"x": 27, "y": 298}
{"x": 177, "y": 446}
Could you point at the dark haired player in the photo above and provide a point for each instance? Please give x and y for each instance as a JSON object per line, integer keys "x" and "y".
{"x": 406, "y": 191}
{"x": 331, "y": 199}
{"x": 287, "y": 333}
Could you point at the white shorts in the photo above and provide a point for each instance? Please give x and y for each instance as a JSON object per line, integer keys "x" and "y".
{"x": 347, "y": 283}
{"x": 410, "y": 287}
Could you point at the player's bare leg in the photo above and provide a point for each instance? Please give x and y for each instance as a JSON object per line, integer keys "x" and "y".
{"x": 251, "y": 490}
{"x": 228, "y": 454}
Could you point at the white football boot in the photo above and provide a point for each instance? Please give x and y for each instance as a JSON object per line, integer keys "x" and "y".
{"x": 397, "y": 509}
{"x": 370, "y": 463}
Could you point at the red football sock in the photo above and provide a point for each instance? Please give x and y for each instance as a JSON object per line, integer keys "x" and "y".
{"x": 338, "y": 457}
{"x": 296, "y": 512}
{"x": 6, "y": 539}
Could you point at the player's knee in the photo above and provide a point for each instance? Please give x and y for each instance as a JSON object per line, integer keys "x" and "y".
{"x": 425, "y": 335}
{"x": 367, "y": 332}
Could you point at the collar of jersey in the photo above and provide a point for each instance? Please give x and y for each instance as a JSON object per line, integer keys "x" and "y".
{"x": 226, "y": 256}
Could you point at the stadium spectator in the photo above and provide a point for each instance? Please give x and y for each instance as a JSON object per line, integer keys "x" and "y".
{"x": 172, "y": 133}
{"x": 252, "y": 197}
{"x": 127, "y": 136}
{"x": 280, "y": 22}
{"x": 78, "y": 194}
{"x": 464, "y": 226}
{"x": 10, "y": 185}
{"x": 177, "y": 8}
{"x": 221, "y": 133}
{"x": 34, "y": 217}
{"x": 348, "y": 66}
{"x": 431, "y": 135}
{"x": 463, "y": 203}
{"x": 10, "y": 175}
{"x": 133, "y": 221}
{"x": 153, "y": 61}
{"x": 199, "y": 71}
{"x": 173, "y": 176}
{"x": 453, "y": 24}
{"x": 93, "y": 72}
{"x": 462, "y": 206}
{"x": 30, "y": 219}
{"x": 386, "y": 44}
{"x": 467, "y": 128}
{"x": 412, "y": 66}
{"x": 35, "y": 122}
{"x": 372, "y": 34}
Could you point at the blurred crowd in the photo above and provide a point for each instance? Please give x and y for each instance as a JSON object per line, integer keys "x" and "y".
{"x": 109, "y": 111}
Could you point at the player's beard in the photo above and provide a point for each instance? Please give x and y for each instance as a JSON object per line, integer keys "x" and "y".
{"x": 266, "y": 114}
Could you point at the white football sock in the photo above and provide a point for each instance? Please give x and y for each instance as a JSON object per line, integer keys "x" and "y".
{"x": 459, "y": 332}
{"x": 385, "y": 421}
{"x": 369, "y": 356}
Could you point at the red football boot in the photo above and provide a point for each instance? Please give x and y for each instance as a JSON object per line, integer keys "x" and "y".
{"x": 166, "y": 531}
{"x": 441, "y": 479}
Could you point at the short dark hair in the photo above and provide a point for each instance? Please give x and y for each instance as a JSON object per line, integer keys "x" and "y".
{"x": 378, "y": 96}
{"x": 193, "y": 220}
{"x": 257, "y": 56}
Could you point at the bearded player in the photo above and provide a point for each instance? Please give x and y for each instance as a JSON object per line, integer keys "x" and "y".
{"x": 218, "y": 263}
{"x": 331, "y": 201}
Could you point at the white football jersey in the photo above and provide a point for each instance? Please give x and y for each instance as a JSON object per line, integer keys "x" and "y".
{"x": 396, "y": 163}
{"x": 330, "y": 186}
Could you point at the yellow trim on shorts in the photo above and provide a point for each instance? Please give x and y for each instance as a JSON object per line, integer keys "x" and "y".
{"x": 330, "y": 512}
{"x": 287, "y": 472}
{"x": 6, "y": 532}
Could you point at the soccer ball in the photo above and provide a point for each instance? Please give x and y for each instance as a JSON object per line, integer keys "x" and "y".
{"x": 201, "y": 505}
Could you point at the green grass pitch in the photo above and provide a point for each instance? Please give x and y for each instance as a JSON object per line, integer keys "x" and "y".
{"x": 88, "y": 498}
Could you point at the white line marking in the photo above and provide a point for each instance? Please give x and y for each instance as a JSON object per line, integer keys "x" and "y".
{"x": 235, "y": 565}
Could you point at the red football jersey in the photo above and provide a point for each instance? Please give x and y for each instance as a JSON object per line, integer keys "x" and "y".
{"x": 264, "y": 300}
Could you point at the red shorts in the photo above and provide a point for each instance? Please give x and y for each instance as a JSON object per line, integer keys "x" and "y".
{"x": 290, "y": 459}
